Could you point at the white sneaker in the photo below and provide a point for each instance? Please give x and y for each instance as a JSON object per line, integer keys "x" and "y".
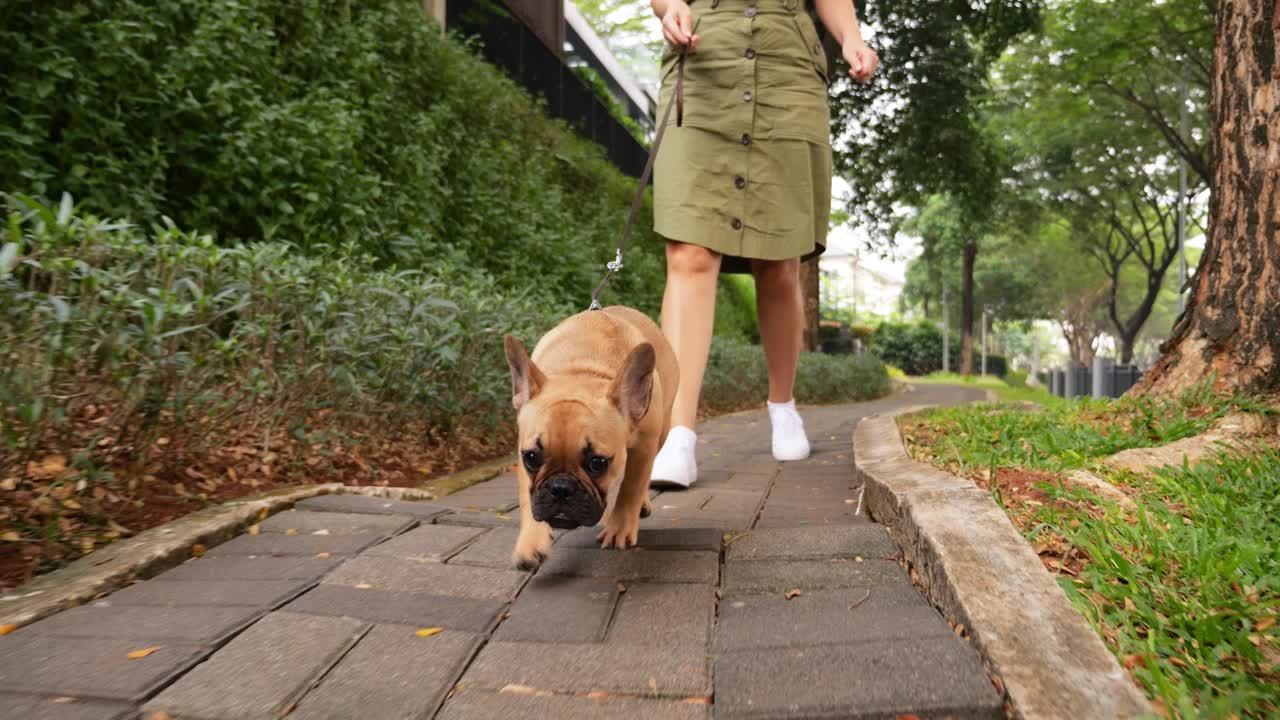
{"x": 789, "y": 440}
{"x": 676, "y": 466}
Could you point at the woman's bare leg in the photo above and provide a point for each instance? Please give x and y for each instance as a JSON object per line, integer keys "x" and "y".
{"x": 688, "y": 316}
{"x": 780, "y": 309}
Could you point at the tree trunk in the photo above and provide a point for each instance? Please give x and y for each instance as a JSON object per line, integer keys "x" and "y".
{"x": 809, "y": 276}
{"x": 966, "y": 308}
{"x": 1231, "y": 328}
{"x": 1126, "y": 349}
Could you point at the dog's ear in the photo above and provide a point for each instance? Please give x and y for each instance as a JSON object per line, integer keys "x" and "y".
{"x": 526, "y": 378}
{"x": 633, "y": 388}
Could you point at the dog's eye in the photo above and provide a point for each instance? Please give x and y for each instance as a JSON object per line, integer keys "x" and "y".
{"x": 532, "y": 460}
{"x": 596, "y": 465}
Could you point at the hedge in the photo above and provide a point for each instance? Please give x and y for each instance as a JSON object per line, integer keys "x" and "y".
{"x": 917, "y": 350}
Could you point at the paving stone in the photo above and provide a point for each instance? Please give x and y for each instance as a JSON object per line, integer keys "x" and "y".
{"x": 208, "y": 625}
{"x": 824, "y": 617}
{"x": 276, "y": 544}
{"x": 46, "y": 707}
{"x": 556, "y": 608}
{"x": 638, "y": 564}
{"x": 188, "y": 593}
{"x": 677, "y": 672}
{"x": 741, "y": 481}
{"x": 263, "y": 671}
{"x": 89, "y": 667}
{"x": 708, "y": 539}
{"x": 303, "y": 522}
{"x": 428, "y": 543}
{"x": 371, "y": 505}
{"x": 499, "y": 494}
{"x": 663, "y": 615}
{"x": 492, "y": 549}
{"x": 789, "y": 515}
{"x": 403, "y": 608}
{"x": 779, "y": 576}
{"x": 392, "y": 574}
{"x": 252, "y": 568}
{"x": 926, "y": 677}
{"x": 866, "y": 541}
{"x": 486, "y": 705}
{"x": 480, "y": 518}
{"x": 390, "y": 673}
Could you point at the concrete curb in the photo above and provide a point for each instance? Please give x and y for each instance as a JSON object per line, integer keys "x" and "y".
{"x": 153, "y": 551}
{"x": 976, "y": 568}
{"x": 453, "y": 482}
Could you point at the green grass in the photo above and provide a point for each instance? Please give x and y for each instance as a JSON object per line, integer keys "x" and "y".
{"x": 1185, "y": 591}
{"x": 1003, "y": 391}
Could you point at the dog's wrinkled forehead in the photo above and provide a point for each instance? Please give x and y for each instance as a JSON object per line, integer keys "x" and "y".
{"x": 566, "y": 428}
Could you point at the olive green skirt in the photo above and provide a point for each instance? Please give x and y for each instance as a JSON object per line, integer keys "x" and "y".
{"x": 749, "y": 173}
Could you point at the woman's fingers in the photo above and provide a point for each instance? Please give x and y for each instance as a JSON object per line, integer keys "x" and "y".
{"x": 671, "y": 30}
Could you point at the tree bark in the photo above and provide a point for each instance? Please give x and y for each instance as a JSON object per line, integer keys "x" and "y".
{"x": 1230, "y": 331}
{"x": 966, "y": 307}
{"x": 809, "y": 287}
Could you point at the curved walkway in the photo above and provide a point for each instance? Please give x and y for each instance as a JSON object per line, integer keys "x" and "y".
{"x": 760, "y": 593}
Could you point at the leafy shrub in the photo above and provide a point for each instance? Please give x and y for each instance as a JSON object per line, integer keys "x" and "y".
{"x": 917, "y": 349}
{"x": 323, "y": 124}
{"x": 738, "y": 378}
{"x": 1016, "y": 378}
{"x": 736, "y": 308}
{"x": 172, "y": 335}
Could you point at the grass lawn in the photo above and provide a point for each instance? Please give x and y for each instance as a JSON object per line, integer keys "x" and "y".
{"x": 1184, "y": 589}
{"x": 1003, "y": 390}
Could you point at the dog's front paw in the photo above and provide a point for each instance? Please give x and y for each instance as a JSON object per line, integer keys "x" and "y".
{"x": 532, "y": 548}
{"x": 620, "y": 530}
{"x": 646, "y": 508}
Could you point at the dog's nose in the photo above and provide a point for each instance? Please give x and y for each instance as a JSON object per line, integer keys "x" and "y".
{"x": 561, "y": 488}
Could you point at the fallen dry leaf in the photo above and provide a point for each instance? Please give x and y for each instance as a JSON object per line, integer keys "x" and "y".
{"x": 363, "y": 586}
{"x": 701, "y": 700}
{"x": 64, "y": 700}
{"x": 428, "y": 632}
{"x": 623, "y": 588}
{"x": 11, "y": 536}
{"x": 1131, "y": 661}
{"x": 291, "y": 531}
{"x": 1128, "y": 604}
{"x": 1265, "y": 623}
{"x": 139, "y": 654}
{"x": 322, "y": 556}
{"x": 863, "y": 599}
{"x": 959, "y": 628}
{"x": 503, "y": 517}
{"x": 254, "y": 529}
{"x": 321, "y": 532}
{"x": 793, "y": 592}
{"x": 197, "y": 550}
{"x": 519, "y": 689}
{"x": 7, "y": 628}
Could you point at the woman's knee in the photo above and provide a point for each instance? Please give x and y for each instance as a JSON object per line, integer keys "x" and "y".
{"x": 690, "y": 260}
{"x": 776, "y": 272}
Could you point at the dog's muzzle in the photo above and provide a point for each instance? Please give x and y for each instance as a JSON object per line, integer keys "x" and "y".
{"x": 563, "y": 502}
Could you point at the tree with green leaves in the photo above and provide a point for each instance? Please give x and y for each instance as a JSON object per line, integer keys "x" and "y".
{"x": 916, "y": 130}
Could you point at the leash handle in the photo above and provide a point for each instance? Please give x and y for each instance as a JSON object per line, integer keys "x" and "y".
{"x": 616, "y": 265}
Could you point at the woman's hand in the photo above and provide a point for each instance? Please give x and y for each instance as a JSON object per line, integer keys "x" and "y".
{"x": 862, "y": 60}
{"x": 677, "y": 26}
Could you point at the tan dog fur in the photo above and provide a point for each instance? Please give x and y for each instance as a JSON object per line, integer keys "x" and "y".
{"x": 604, "y": 379}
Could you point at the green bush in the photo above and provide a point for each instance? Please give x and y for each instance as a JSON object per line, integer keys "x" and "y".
{"x": 917, "y": 349}
{"x": 736, "y": 308}
{"x": 1016, "y": 378}
{"x": 320, "y": 123}
{"x": 738, "y": 378}
{"x": 180, "y": 337}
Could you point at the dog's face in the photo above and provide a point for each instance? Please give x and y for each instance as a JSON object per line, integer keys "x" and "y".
{"x": 570, "y": 455}
{"x": 573, "y": 446}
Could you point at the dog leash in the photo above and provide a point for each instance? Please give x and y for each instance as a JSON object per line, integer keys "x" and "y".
{"x": 615, "y": 265}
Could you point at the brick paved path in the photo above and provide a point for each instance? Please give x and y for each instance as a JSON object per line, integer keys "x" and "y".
{"x": 320, "y": 614}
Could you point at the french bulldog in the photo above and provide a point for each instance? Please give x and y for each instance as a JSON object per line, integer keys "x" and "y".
{"x": 593, "y": 405}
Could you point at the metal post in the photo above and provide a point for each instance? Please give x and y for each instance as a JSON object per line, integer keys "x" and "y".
{"x": 1182, "y": 196}
{"x": 1035, "y": 355}
{"x": 946, "y": 330}
{"x": 1070, "y": 390}
{"x": 1099, "y": 371}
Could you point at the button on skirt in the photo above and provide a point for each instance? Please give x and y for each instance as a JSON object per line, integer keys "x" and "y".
{"x": 749, "y": 173}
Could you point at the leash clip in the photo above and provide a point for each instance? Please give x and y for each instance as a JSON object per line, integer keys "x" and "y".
{"x": 616, "y": 265}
